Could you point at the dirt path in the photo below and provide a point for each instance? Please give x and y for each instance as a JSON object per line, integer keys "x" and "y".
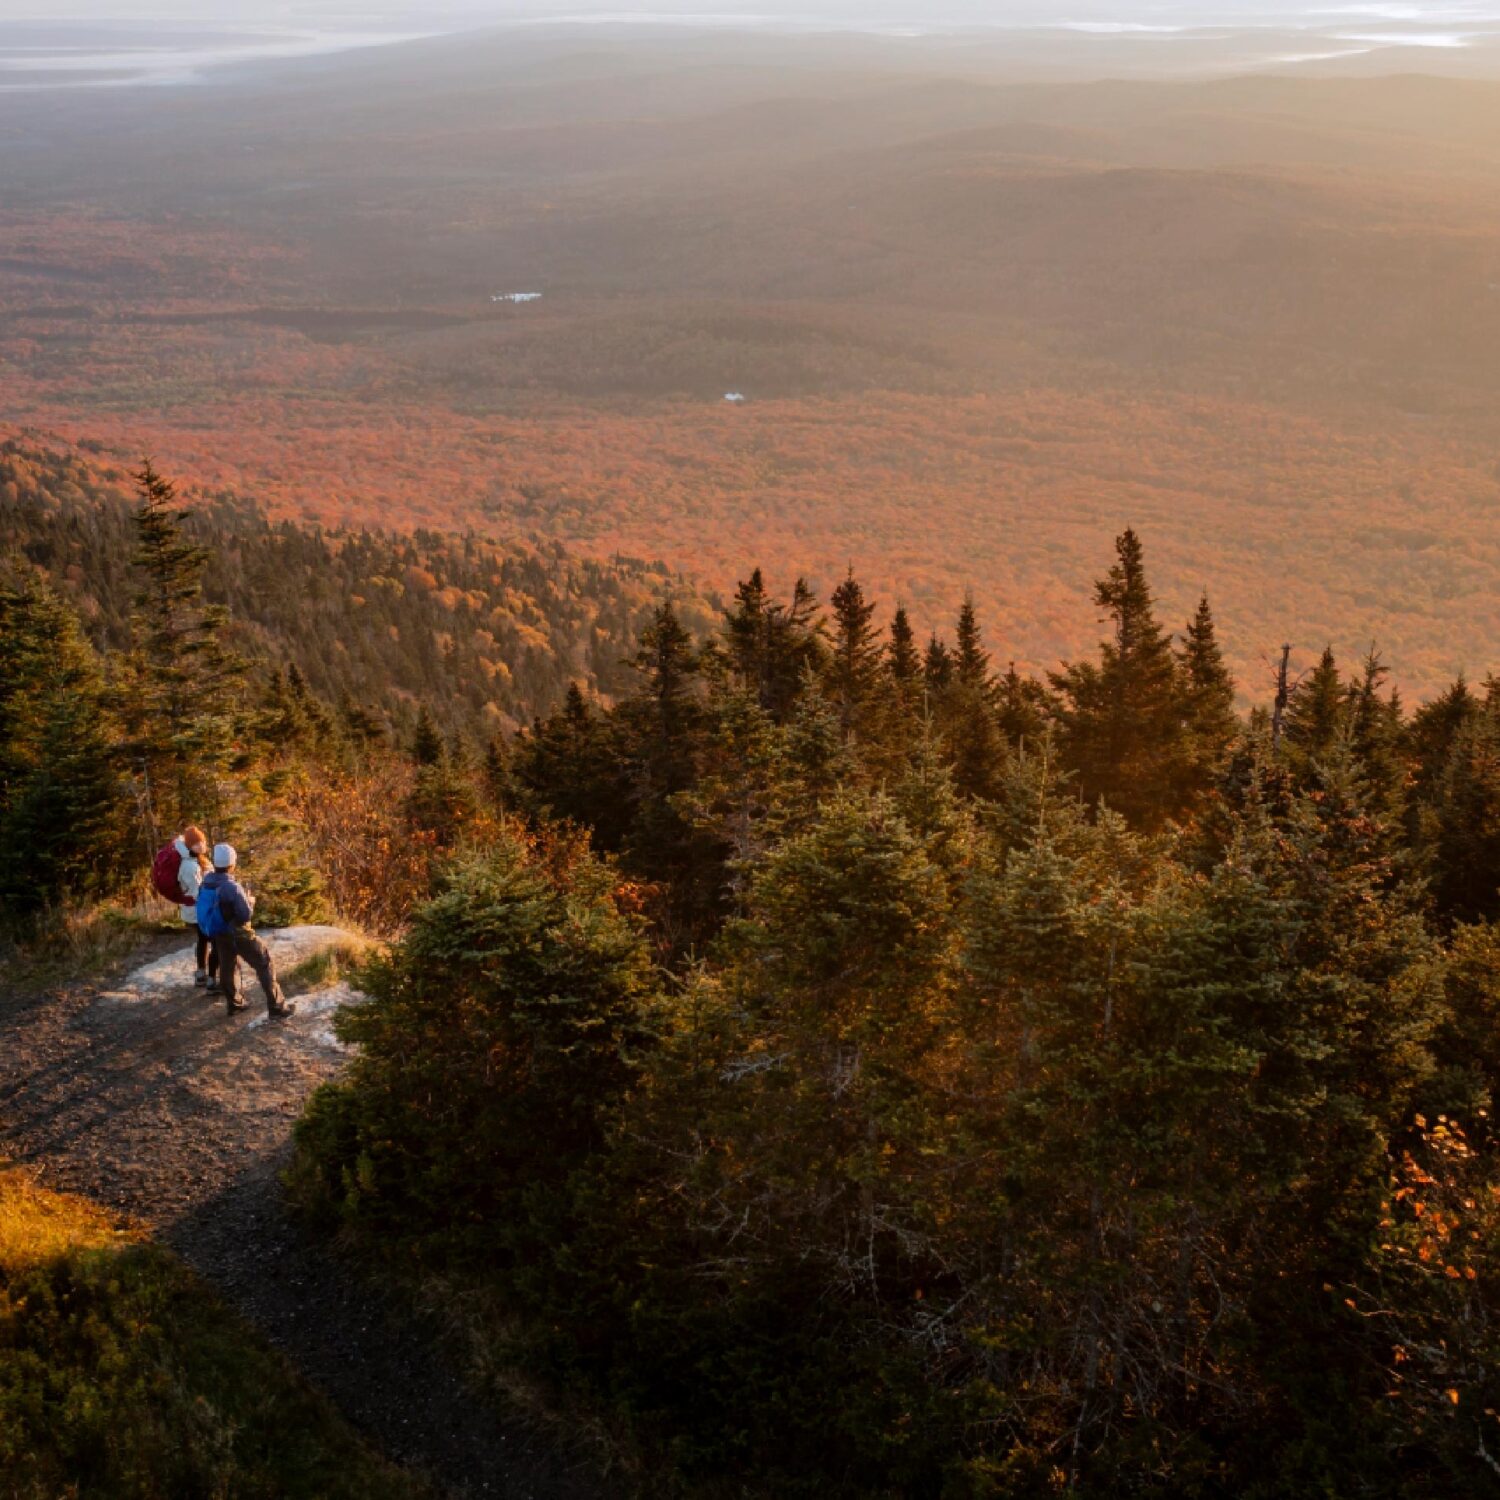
{"x": 140, "y": 1093}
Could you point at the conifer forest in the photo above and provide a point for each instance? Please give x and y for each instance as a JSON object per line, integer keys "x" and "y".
{"x": 838, "y": 1058}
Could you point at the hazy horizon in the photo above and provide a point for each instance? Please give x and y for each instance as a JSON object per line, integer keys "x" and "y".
{"x": 1146, "y": 15}
{"x": 106, "y": 43}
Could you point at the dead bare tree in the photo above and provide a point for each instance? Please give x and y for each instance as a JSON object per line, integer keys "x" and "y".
{"x": 1283, "y": 697}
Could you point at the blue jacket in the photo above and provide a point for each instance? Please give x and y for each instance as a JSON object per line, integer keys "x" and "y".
{"x": 222, "y": 904}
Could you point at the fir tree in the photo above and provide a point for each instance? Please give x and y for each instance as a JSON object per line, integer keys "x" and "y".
{"x": 497, "y": 774}
{"x": 770, "y": 644}
{"x": 360, "y": 724}
{"x": 282, "y": 719}
{"x": 667, "y": 664}
{"x": 1435, "y": 727}
{"x": 1316, "y": 711}
{"x": 1122, "y": 721}
{"x": 819, "y": 756}
{"x": 937, "y": 666}
{"x": 546, "y": 995}
{"x": 854, "y": 668}
{"x": 570, "y": 765}
{"x": 748, "y": 633}
{"x": 1461, "y": 823}
{"x": 663, "y": 725}
{"x": 798, "y": 643}
{"x": 741, "y": 800}
{"x": 903, "y": 661}
{"x": 971, "y": 660}
{"x": 1377, "y": 738}
{"x": 1023, "y": 708}
{"x": 846, "y": 968}
{"x": 662, "y": 716}
{"x": 927, "y": 797}
{"x": 427, "y": 748}
{"x": 1208, "y": 698}
{"x": 964, "y": 710}
{"x": 443, "y": 803}
{"x": 62, "y": 805}
{"x": 183, "y": 683}
{"x": 969, "y": 726}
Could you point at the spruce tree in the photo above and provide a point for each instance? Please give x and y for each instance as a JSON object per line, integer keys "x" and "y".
{"x": 427, "y": 748}
{"x": 845, "y": 972}
{"x": 1316, "y": 711}
{"x": 667, "y": 664}
{"x": 971, "y": 661}
{"x": 965, "y": 711}
{"x": 1433, "y": 730}
{"x": 747, "y": 633}
{"x": 770, "y": 644}
{"x": 281, "y": 719}
{"x": 937, "y": 666}
{"x": 501, "y": 1032}
{"x": 854, "y": 667}
{"x": 1208, "y": 698}
{"x": 738, "y": 795}
{"x": 927, "y": 797}
{"x": 798, "y": 643}
{"x": 1460, "y": 823}
{"x": 820, "y": 758}
{"x": 1122, "y": 721}
{"x": 360, "y": 724}
{"x": 292, "y": 719}
{"x": 903, "y": 661}
{"x": 570, "y": 765}
{"x": 662, "y": 726}
{"x": 971, "y": 730}
{"x": 901, "y": 696}
{"x": 63, "y": 808}
{"x": 661, "y": 718}
{"x": 181, "y": 690}
{"x": 1377, "y": 738}
{"x": 1023, "y": 707}
{"x": 497, "y": 777}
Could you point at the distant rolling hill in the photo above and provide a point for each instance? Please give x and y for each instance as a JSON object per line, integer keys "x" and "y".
{"x": 982, "y": 320}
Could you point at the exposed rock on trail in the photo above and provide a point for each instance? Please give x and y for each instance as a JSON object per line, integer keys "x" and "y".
{"x": 143, "y": 1094}
{"x": 171, "y": 976}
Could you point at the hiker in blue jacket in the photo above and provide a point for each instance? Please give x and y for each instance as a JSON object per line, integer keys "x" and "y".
{"x": 224, "y": 912}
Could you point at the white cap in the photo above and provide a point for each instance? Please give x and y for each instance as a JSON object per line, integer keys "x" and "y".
{"x": 224, "y": 857}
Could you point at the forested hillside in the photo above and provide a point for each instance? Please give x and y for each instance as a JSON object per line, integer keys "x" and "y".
{"x": 979, "y": 320}
{"x": 485, "y": 635}
{"x": 843, "y": 1065}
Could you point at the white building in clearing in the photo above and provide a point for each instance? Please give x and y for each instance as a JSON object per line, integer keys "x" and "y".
{"x": 516, "y": 297}
{"x": 735, "y": 396}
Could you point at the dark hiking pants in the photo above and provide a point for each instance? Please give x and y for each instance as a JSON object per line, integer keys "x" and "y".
{"x": 241, "y": 943}
{"x": 205, "y": 952}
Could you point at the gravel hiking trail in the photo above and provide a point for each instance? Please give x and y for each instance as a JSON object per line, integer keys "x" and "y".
{"x": 139, "y": 1092}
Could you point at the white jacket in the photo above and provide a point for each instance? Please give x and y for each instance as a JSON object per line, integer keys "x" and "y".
{"x": 189, "y": 878}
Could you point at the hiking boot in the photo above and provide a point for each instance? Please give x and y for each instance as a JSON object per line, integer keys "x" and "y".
{"x": 201, "y": 977}
{"x": 213, "y": 987}
{"x": 235, "y": 1006}
{"x": 282, "y": 1012}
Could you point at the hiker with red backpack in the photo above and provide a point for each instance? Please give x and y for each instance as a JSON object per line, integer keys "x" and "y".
{"x": 176, "y": 874}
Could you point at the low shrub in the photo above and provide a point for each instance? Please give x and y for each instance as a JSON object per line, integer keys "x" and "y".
{"x": 121, "y": 1376}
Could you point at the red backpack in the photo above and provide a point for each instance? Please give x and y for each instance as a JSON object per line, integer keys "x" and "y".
{"x": 164, "y": 871}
